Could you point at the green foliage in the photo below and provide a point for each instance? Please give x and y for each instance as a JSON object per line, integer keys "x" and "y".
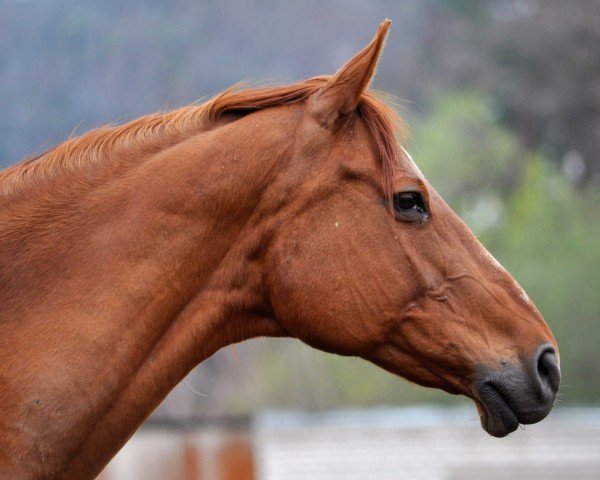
{"x": 462, "y": 150}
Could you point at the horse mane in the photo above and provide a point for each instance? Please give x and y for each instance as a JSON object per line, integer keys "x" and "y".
{"x": 156, "y": 131}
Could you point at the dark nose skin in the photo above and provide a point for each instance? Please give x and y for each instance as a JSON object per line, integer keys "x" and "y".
{"x": 520, "y": 393}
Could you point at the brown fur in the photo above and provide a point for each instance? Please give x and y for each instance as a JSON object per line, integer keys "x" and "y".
{"x": 132, "y": 253}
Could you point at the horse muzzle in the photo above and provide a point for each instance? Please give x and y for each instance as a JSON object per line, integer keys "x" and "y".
{"x": 517, "y": 394}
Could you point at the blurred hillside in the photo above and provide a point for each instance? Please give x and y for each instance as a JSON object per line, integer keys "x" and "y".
{"x": 502, "y": 97}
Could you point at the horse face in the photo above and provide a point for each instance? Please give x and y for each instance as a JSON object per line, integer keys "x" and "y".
{"x": 411, "y": 290}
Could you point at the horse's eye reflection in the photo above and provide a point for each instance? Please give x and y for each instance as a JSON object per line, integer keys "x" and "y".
{"x": 410, "y": 206}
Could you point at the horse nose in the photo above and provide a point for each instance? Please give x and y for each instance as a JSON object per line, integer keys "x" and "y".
{"x": 546, "y": 372}
{"x": 520, "y": 393}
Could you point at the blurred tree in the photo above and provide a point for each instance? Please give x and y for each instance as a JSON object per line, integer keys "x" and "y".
{"x": 540, "y": 60}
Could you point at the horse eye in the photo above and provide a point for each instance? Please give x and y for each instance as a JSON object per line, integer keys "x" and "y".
{"x": 410, "y": 205}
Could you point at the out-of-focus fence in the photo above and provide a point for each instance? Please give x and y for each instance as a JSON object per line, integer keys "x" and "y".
{"x": 426, "y": 443}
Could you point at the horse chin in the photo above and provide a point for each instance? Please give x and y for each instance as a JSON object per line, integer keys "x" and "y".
{"x": 497, "y": 418}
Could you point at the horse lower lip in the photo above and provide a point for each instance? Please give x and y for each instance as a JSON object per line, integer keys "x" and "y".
{"x": 500, "y": 418}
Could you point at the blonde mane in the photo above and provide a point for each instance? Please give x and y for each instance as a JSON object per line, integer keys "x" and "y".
{"x": 152, "y": 133}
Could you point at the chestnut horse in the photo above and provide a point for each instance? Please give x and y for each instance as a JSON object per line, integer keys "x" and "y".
{"x": 132, "y": 253}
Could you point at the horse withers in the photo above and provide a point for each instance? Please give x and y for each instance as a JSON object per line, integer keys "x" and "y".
{"x": 132, "y": 253}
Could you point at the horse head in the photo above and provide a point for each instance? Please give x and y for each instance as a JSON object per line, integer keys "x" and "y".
{"x": 371, "y": 262}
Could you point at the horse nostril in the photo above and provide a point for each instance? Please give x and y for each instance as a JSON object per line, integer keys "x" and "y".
{"x": 548, "y": 371}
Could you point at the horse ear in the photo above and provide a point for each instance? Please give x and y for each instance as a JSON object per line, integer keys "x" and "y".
{"x": 341, "y": 94}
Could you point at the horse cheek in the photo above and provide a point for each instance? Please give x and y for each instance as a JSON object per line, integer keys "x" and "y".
{"x": 311, "y": 299}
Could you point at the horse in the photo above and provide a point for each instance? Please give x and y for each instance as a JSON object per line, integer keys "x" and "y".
{"x": 133, "y": 252}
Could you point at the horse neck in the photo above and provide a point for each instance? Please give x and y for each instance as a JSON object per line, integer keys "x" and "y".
{"x": 104, "y": 307}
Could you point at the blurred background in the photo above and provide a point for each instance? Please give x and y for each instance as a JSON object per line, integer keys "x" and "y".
{"x": 502, "y": 98}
